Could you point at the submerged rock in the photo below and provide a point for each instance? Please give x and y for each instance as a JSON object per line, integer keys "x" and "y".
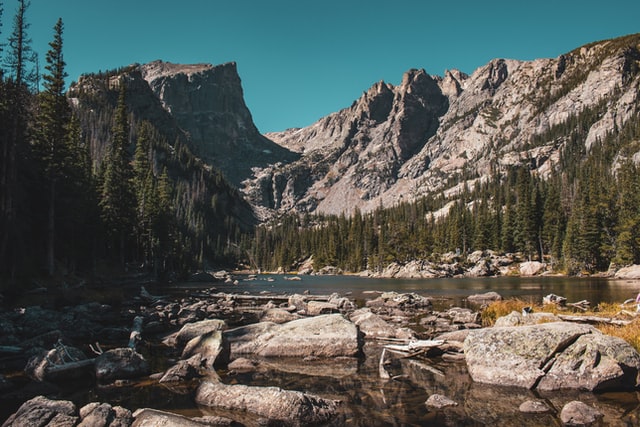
{"x": 579, "y": 414}
{"x": 120, "y": 363}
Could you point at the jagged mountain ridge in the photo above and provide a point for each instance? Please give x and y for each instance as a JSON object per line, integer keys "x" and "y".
{"x": 398, "y": 143}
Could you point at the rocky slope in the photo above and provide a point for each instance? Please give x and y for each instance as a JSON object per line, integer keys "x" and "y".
{"x": 201, "y": 104}
{"x": 397, "y": 143}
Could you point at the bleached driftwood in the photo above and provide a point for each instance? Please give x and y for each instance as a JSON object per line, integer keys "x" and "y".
{"x": 382, "y": 372}
{"x": 594, "y": 319}
{"x": 136, "y": 332}
{"x": 415, "y": 346}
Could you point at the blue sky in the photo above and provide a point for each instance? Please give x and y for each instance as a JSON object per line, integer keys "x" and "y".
{"x": 301, "y": 60}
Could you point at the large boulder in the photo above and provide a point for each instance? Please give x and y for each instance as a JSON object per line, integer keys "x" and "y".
{"x": 631, "y": 272}
{"x": 212, "y": 347}
{"x": 40, "y": 412}
{"x": 551, "y": 356}
{"x": 103, "y": 414}
{"x": 146, "y": 417}
{"x": 329, "y": 335}
{"x": 279, "y": 407}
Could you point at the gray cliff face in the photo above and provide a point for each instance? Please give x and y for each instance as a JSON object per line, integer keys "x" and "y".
{"x": 207, "y": 103}
{"x": 397, "y": 143}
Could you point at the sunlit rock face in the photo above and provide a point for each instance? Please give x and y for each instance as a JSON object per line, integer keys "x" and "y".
{"x": 401, "y": 142}
{"x": 207, "y": 103}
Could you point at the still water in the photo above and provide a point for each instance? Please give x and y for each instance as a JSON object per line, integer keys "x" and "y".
{"x": 368, "y": 400}
{"x": 371, "y": 401}
{"x": 451, "y": 290}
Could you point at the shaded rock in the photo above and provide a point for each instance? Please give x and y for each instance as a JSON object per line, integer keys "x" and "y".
{"x": 212, "y": 347}
{"x": 373, "y": 326}
{"x": 146, "y": 417}
{"x": 284, "y": 406}
{"x": 328, "y": 335}
{"x": 184, "y": 370}
{"x": 485, "y": 298}
{"x": 463, "y": 315}
{"x": 579, "y": 414}
{"x": 316, "y": 308}
{"x": 40, "y": 367}
{"x": 534, "y": 407}
{"x": 403, "y": 301}
{"x": 241, "y": 365}
{"x": 192, "y": 330}
{"x": 103, "y": 414}
{"x": 278, "y": 315}
{"x": 120, "y": 363}
{"x": 298, "y": 301}
{"x": 438, "y": 401}
{"x": 551, "y": 356}
{"x": 40, "y": 412}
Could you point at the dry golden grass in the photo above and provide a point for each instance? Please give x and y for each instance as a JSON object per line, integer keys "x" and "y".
{"x": 501, "y": 308}
{"x": 630, "y": 333}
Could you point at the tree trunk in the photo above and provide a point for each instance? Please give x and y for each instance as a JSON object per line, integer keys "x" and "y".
{"x": 51, "y": 229}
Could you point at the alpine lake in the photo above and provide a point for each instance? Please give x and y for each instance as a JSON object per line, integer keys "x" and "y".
{"x": 368, "y": 400}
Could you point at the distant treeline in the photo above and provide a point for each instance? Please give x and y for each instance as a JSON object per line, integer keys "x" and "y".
{"x": 582, "y": 217}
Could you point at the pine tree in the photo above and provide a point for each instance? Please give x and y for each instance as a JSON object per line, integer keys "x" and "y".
{"x": 54, "y": 117}
{"x": 117, "y": 196}
{"x": 15, "y": 154}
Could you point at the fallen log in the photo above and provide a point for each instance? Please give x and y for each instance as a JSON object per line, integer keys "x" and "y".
{"x": 415, "y": 346}
{"x": 594, "y": 319}
{"x": 69, "y": 366}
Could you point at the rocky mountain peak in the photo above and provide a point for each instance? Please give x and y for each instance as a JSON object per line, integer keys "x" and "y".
{"x": 398, "y": 143}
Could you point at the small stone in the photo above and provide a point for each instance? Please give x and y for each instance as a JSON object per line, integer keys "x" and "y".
{"x": 438, "y": 401}
{"x": 577, "y": 413}
{"x": 534, "y": 407}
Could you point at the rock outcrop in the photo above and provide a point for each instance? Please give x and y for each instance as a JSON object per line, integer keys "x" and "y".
{"x": 551, "y": 356}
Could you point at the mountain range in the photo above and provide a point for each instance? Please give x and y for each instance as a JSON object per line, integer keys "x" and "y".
{"x": 396, "y": 143}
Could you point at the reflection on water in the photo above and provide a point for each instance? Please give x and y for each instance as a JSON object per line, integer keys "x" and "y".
{"x": 453, "y": 290}
{"x": 368, "y": 400}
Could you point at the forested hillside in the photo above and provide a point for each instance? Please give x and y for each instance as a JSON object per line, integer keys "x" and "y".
{"x": 580, "y": 217}
{"x": 92, "y": 187}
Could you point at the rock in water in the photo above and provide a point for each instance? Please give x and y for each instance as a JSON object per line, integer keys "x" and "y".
{"x": 579, "y": 414}
{"x": 290, "y": 408}
{"x": 551, "y": 356}
{"x": 329, "y": 335}
{"x": 120, "y": 363}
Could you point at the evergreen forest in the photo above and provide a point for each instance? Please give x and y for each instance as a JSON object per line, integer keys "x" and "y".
{"x": 135, "y": 203}
{"x": 98, "y": 191}
{"x": 581, "y": 219}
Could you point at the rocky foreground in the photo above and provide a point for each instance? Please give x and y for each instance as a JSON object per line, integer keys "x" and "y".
{"x": 206, "y": 338}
